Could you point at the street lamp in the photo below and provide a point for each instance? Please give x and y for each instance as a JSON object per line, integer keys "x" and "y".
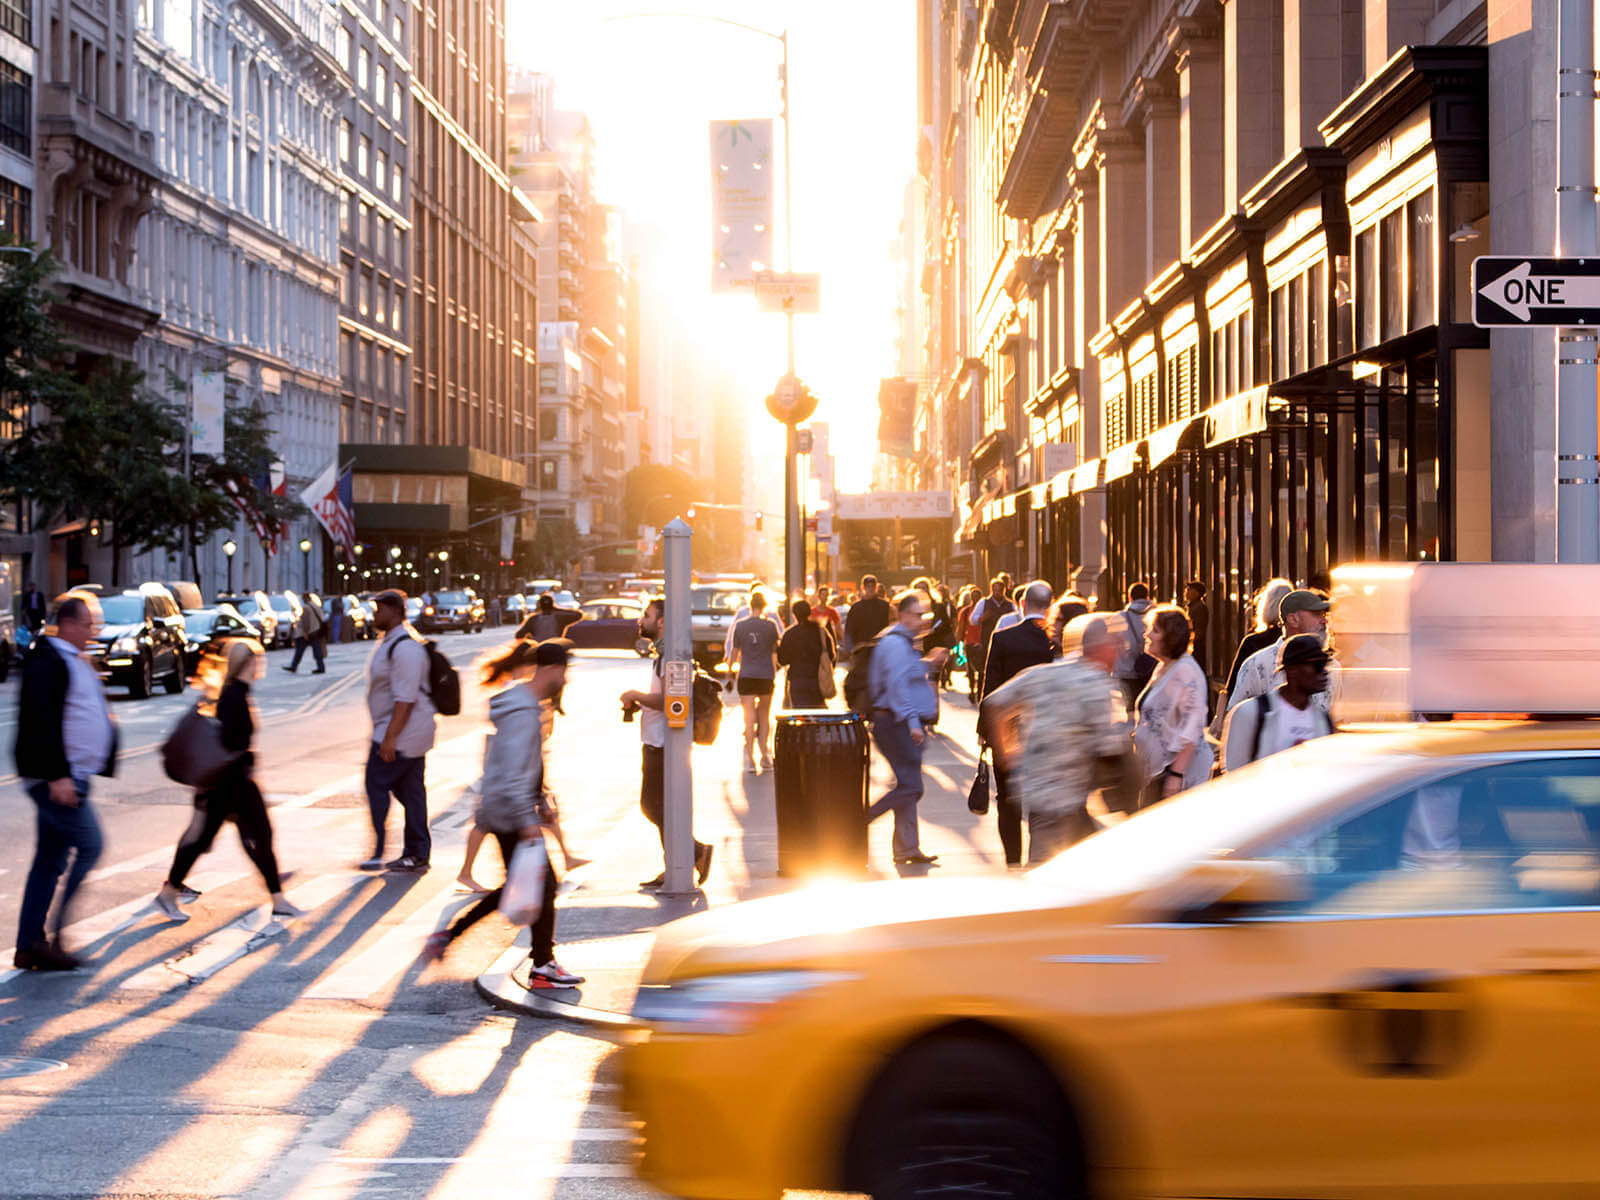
{"x": 230, "y": 548}
{"x": 444, "y": 558}
{"x": 305, "y": 562}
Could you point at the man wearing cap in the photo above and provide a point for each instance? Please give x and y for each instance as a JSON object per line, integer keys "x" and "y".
{"x": 1287, "y": 715}
{"x": 1304, "y": 611}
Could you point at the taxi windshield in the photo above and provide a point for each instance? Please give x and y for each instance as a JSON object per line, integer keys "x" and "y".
{"x": 1236, "y": 810}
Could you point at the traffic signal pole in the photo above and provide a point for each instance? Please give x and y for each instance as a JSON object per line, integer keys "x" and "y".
{"x": 1577, "y": 352}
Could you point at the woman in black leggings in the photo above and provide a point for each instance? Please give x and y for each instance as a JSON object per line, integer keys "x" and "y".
{"x": 511, "y": 796}
{"x": 235, "y": 798}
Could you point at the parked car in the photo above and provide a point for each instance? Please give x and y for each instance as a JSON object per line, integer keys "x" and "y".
{"x": 514, "y": 608}
{"x": 711, "y": 612}
{"x": 256, "y": 608}
{"x": 209, "y": 630}
{"x": 459, "y": 609}
{"x": 185, "y": 593}
{"x": 538, "y": 587}
{"x": 565, "y": 599}
{"x": 608, "y": 624}
{"x": 288, "y": 608}
{"x": 413, "y": 610}
{"x": 143, "y": 639}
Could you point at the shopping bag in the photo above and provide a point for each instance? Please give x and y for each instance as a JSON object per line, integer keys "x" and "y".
{"x": 978, "y": 794}
{"x": 193, "y": 753}
{"x": 523, "y": 895}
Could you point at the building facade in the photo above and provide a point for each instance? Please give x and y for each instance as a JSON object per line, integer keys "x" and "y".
{"x": 1195, "y": 286}
{"x": 18, "y": 71}
{"x": 238, "y": 254}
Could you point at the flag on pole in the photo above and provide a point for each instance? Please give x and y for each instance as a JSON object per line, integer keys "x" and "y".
{"x": 329, "y": 498}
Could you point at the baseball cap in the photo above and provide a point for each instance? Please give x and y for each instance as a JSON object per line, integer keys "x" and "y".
{"x": 1302, "y": 649}
{"x": 1304, "y": 600}
{"x": 552, "y": 652}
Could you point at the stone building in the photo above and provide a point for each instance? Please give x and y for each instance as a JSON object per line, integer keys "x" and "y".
{"x": 1195, "y": 281}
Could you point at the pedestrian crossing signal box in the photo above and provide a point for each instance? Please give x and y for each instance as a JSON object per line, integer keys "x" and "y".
{"x": 679, "y": 689}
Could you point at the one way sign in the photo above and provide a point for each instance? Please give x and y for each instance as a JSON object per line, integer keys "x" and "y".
{"x": 1524, "y": 292}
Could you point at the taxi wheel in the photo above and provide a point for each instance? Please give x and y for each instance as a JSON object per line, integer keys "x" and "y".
{"x": 969, "y": 1116}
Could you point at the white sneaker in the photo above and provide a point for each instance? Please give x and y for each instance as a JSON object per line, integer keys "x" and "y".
{"x": 552, "y": 975}
{"x": 168, "y": 908}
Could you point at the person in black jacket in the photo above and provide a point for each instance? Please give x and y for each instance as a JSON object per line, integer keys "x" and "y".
{"x": 801, "y": 649}
{"x": 868, "y": 616}
{"x": 235, "y": 798}
{"x": 65, "y": 734}
{"x": 1011, "y": 652}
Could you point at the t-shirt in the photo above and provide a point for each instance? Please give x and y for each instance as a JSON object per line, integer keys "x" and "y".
{"x": 1294, "y": 725}
{"x": 757, "y": 642}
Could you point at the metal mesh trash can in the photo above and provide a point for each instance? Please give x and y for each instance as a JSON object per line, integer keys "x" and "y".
{"x": 822, "y": 758}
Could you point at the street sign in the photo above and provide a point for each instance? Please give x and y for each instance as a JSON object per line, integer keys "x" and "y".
{"x": 787, "y": 293}
{"x": 1523, "y": 292}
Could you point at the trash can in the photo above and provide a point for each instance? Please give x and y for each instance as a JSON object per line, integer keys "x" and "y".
{"x": 822, "y": 758}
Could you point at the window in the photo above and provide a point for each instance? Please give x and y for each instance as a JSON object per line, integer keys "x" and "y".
{"x": 364, "y": 68}
{"x": 16, "y": 18}
{"x": 16, "y": 212}
{"x": 395, "y": 184}
{"x": 1518, "y": 835}
{"x": 549, "y": 473}
{"x": 380, "y": 83}
{"x": 1420, "y": 232}
{"x": 341, "y": 43}
{"x": 16, "y": 109}
{"x": 394, "y": 100}
{"x": 549, "y": 422}
{"x": 363, "y": 155}
{"x": 344, "y": 212}
{"x": 1367, "y": 288}
{"x": 366, "y": 292}
{"x": 547, "y": 379}
{"x": 380, "y": 172}
{"x": 345, "y": 131}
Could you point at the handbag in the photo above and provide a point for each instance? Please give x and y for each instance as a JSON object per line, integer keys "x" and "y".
{"x": 523, "y": 894}
{"x": 978, "y": 793}
{"x": 827, "y": 684}
{"x": 193, "y": 753}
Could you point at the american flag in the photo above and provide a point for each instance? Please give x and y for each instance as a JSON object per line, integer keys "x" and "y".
{"x": 330, "y": 498}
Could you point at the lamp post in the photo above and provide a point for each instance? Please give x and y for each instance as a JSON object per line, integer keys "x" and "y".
{"x": 305, "y": 564}
{"x": 229, "y": 549}
{"x": 394, "y": 563}
{"x": 444, "y": 559}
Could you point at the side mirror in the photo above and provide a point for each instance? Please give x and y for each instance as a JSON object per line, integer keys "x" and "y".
{"x": 1219, "y": 889}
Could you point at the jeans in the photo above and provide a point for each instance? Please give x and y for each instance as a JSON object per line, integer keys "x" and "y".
{"x": 653, "y": 794}
{"x": 894, "y": 742}
{"x": 403, "y": 778}
{"x": 60, "y": 829}
{"x": 300, "y": 645}
{"x": 1008, "y": 815}
{"x": 335, "y": 627}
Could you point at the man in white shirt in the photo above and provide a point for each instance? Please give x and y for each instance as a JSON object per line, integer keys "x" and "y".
{"x": 1304, "y": 611}
{"x": 402, "y": 734}
{"x": 1288, "y": 715}
{"x": 65, "y": 735}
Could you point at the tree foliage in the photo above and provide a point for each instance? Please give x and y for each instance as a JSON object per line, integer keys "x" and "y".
{"x": 555, "y": 545}
{"x": 654, "y": 493}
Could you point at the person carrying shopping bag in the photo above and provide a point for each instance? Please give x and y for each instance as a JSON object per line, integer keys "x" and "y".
{"x": 511, "y": 792}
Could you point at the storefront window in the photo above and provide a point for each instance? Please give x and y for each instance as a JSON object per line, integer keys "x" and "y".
{"x": 1392, "y": 265}
{"x": 1317, "y": 311}
{"x": 1419, "y": 217}
{"x": 1281, "y": 335}
{"x": 1367, "y": 288}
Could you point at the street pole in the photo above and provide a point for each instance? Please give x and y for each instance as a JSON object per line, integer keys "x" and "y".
{"x": 677, "y": 824}
{"x": 794, "y": 566}
{"x": 1577, "y": 424}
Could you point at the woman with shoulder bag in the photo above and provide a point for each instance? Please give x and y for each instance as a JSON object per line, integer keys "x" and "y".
{"x": 511, "y": 793}
{"x": 806, "y": 649}
{"x": 235, "y": 796}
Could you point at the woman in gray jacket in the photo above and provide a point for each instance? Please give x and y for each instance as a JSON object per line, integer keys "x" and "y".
{"x": 511, "y": 792}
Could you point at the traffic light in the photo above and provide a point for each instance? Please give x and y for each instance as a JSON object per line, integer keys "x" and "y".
{"x": 758, "y": 522}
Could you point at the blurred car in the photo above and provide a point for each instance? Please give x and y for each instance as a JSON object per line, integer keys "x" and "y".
{"x": 209, "y": 631}
{"x": 609, "y": 624}
{"x": 538, "y": 587}
{"x": 514, "y": 609}
{"x": 712, "y": 608}
{"x": 256, "y": 607}
{"x": 356, "y": 617}
{"x": 287, "y": 607}
{"x": 413, "y": 610}
{"x": 565, "y": 599}
{"x": 142, "y": 639}
{"x": 185, "y": 593}
{"x": 458, "y": 609}
{"x": 1367, "y": 966}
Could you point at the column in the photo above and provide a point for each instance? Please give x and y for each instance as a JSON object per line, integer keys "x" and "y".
{"x": 1313, "y": 70}
{"x": 1253, "y": 97}
{"x": 1120, "y": 159}
{"x": 1198, "y": 49}
{"x": 1163, "y": 176}
{"x": 1391, "y": 24}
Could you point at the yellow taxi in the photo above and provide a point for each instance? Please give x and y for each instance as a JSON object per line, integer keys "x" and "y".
{"x": 1368, "y": 966}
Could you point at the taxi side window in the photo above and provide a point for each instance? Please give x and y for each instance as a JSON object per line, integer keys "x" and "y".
{"x": 1518, "y": 835}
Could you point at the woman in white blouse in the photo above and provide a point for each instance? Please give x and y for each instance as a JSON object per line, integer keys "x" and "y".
{"x": 1171, "y": 729}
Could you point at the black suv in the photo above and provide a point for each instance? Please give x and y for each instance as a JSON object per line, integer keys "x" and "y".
{"x": 143, "y": 639}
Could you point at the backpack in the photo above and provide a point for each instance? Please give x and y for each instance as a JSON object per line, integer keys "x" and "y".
{"x": 706, "y": 707}
{"x": 1263, "y": 705}
{"x": 444, "y": 684}
{"x": 857, "y": 679}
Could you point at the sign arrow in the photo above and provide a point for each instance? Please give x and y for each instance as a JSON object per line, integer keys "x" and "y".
{"x": 1528, "y": 292}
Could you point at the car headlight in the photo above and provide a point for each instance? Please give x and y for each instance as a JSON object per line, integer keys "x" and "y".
{"x": 725, "y": 1004}
{"x": 427, "y": 612}
{"x": 125, "y": 645}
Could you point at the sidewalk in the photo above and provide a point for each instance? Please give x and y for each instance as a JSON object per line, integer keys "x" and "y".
{"x": 607, "y": 925}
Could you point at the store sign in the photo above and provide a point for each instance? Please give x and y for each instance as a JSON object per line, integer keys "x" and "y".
{"x": 886, "y": 506}
{"x": 788, "y": 293}
{"x": 1527, "y": 292}
{"x": 741, "y": 202}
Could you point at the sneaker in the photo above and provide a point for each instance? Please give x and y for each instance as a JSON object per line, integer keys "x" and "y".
{"x": 187, "y": 895}
{"x": 406, "y": 863}
{"x": 42, "y": 957}
{"x": 288, "y": 910}
{"x": 168, "y": 907}
{"x": 375, "y": 863}
{"x": 291, "y": 670}
{"x": 916, "y": 860}
{"x": 433, "y": 949}
{"x": 552, "y": 975}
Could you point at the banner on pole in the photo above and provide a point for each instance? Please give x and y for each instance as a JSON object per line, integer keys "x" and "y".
{"x": 207, "y": 413}
{"x": 741, "y": 203}
{"x": 508, "y": 537}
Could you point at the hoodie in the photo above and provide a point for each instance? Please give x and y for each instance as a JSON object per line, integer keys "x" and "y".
{"x": 1128, "y": 659}
{"x": 513, "y": 763}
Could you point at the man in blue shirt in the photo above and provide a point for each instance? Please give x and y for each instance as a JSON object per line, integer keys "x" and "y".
{"x": 903, "y": 703}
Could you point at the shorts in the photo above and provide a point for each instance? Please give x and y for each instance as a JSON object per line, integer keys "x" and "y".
{"x": 755, "y": 687}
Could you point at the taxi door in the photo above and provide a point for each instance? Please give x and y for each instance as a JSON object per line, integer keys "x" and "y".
{"x": 1426, "y": 1022}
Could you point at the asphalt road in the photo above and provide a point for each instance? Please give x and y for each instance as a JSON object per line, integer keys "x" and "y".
{"x": 232, "y": 1056}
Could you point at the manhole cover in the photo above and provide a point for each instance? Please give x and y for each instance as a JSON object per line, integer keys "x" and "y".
{"x": 11, "y": 1068}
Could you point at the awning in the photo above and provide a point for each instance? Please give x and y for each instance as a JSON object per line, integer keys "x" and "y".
{"x": 1061, "y": 484}
{"x": 1167, "y": 441}
{"x": 1085, "y": 477}
{"x": 1124, "y": 460}
{"x": 1040, "y": 492}
{"x": 970, "y": 525}
{"x": 1239, "y": 417}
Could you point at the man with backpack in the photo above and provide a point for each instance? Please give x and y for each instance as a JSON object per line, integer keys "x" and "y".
{"x": 1135, "y": 664}
{"x": 904, "y": 703}
{"x": 651, "y": 709}
{"x": 309, "y": 631}
{"x": 1287, "y": 715}
{"x": 402, "y": 709}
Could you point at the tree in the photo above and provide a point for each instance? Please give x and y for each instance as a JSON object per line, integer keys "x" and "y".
{"x": 653, "y": 493}
{"x": 555, "y": 544}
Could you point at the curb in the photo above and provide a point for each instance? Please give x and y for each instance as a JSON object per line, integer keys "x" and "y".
{"x": 497, "y": 986}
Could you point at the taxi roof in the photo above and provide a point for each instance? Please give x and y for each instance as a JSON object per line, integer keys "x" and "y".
{"x": 1485, "y": 735}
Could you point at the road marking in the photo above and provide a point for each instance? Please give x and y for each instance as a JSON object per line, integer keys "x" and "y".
{"x": 561, "y": 1171}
